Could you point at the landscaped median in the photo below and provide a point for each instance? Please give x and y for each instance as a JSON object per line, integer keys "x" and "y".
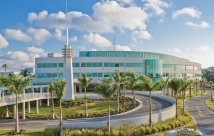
{"x": 210, "y": 104}
{"x": 75, "y": 109}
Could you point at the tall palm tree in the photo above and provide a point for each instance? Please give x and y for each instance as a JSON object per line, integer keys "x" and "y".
{"x": 52, "y": 90}
{"x": 133, "y": 84}
{"x": 17, "y": 84}
{"x": 5, "y": 67}
{"x": 59, "y": 85}
{"x": 191, "y": 83}
{"x": 106, "y": 89}
{"x": 184, "y": 87}
{"x": 148, "y": 85}
{"x": 118, "y": 81}
{"x": 176, "y": 85}
{"x": 84, "y": 82}
{"x": 211, "y": 86}
{"x": 164, "y": 83}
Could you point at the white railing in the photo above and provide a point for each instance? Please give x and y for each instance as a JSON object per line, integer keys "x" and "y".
{"x": 11, "y": 99}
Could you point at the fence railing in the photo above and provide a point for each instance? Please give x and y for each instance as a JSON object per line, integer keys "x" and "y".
{"x": 11, "y": 99}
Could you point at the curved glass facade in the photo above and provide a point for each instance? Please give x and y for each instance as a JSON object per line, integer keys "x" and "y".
{"x": 153, "y": 68}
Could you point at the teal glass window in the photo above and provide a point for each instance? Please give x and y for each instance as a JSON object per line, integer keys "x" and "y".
{"x": 60, "y": 65}
{"x": 76, "y": 65}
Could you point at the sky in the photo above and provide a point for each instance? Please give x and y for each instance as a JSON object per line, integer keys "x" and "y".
{"x": 33, "y": 28}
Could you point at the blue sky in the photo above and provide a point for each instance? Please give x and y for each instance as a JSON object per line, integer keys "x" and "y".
{"x": 32, "y": 28}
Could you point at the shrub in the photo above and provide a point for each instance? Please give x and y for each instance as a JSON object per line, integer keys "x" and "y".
{"x": 154, "y": 130}
{"x": 148, "y": 130}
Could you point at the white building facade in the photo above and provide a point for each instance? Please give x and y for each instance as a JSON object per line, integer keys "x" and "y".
{"x": 102, "y": 64}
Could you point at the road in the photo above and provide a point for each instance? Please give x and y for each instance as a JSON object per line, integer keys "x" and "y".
{"x": 203, "y": 116}
{"x": 157, "y": 104}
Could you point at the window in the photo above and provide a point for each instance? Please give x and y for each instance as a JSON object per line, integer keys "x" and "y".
{"x": 76, "y": 65}
{"x": 60, "y": 65}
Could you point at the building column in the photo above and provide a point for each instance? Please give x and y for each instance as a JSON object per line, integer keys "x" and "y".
{"x": 40, "y": 103}
{"x": 14, "y": 111}
{"x": 48, "y": 102}
{"x": 23, "y": 110}
{"x": 80, "y": 89}
{"x": 37, "y": 106}
{"x": 6, "y": 112}
{"x": 40, "y": 90}
{"x": 28, "y": 107}
{"x": 75, "y": 88}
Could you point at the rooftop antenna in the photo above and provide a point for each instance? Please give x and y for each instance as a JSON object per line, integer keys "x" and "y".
{"x": 66, "y": 8}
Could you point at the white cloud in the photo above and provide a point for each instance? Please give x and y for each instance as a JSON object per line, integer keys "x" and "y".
{"x": 126, "y": 1}
{"x": 18, "y": 35}
{"x": 40, "y": 35}
{"x": 189, "y": 11}
{"x": 122, "y": 48}
{"x": 19, "y": 56}
{"x": 157, "y": 6}
{"x": 141, "y": 35}
{"x": 203, "y": 24}
{"x": 33, "y": 16}
{"x": 35, "y": 50}
{"x": 106, "y": 15}
{"x": 58, "y": 34}
{"x": 97, "y": 40}
{"x": 74, "y": 39}
{"x": 204, "y": 48}
{"x": 3, "y": 42}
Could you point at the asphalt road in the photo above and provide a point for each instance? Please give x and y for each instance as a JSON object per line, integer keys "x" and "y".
{"x": 157, "y": 104}
{"x": 203, "y": 116}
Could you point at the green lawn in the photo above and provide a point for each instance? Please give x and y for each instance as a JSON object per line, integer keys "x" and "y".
{"x": 209, "y": 104}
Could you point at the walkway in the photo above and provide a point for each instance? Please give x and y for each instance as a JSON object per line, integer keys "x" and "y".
{"x": 203, "y": 116}
{"x": 87, "y": 122}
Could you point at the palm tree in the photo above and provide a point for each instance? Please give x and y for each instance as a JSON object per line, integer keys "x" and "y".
{"x": 211, "y": 86}
{"x": 191, "y": 83}
{"x": 106, "y": 89}
{"x": 148, "y": 85}
{"x": 117, "y": 81}
{"x": 176, "y": 85}
{"x": 17, "y": 84}
{"x": 52, "y": 90}
{"x": 164, "y": 83}
{"x": 133, "y": 84}
{"x": 84, "y": 82}
{"x": 24, "y": 73}
{"x": 59, "y": 85}
{"x": 185, "y": 85}
{"x": 5, "y": 67}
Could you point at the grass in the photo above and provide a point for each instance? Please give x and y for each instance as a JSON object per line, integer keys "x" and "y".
{"x": 75, "y": 109}
{"x": 209, "y": 104}
{"x": 26, "y": 133}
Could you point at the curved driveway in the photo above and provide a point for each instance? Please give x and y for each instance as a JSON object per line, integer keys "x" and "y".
{"x": 203, "y": 116}
{"x": 157, "y": 104}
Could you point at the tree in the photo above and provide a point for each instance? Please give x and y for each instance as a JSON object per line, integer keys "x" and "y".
{"x": 211, "y": 86}
{"x": 117, "y": 81}
{"x": 191, "y": 83}
{"x": 24, "y": 73}
{"x": 5, "y": 67}
{"x": 184, "y": 87}
{"x": 164, "y": 83}
{"x": 17, "y": 84}
{"x": 52, "y": 90}
{"x": 59, "y": 85}
{"x": 106, "y": 89}
{"x": 148, "y": 85}
{"x": 84, "y": 82}
{"x": 176, "y": 85}
{"x": 133, "y": 84}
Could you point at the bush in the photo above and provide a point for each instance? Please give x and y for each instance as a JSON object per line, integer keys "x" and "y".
{"x": 154, "y": 130}
{"x": 148, "y": 130}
